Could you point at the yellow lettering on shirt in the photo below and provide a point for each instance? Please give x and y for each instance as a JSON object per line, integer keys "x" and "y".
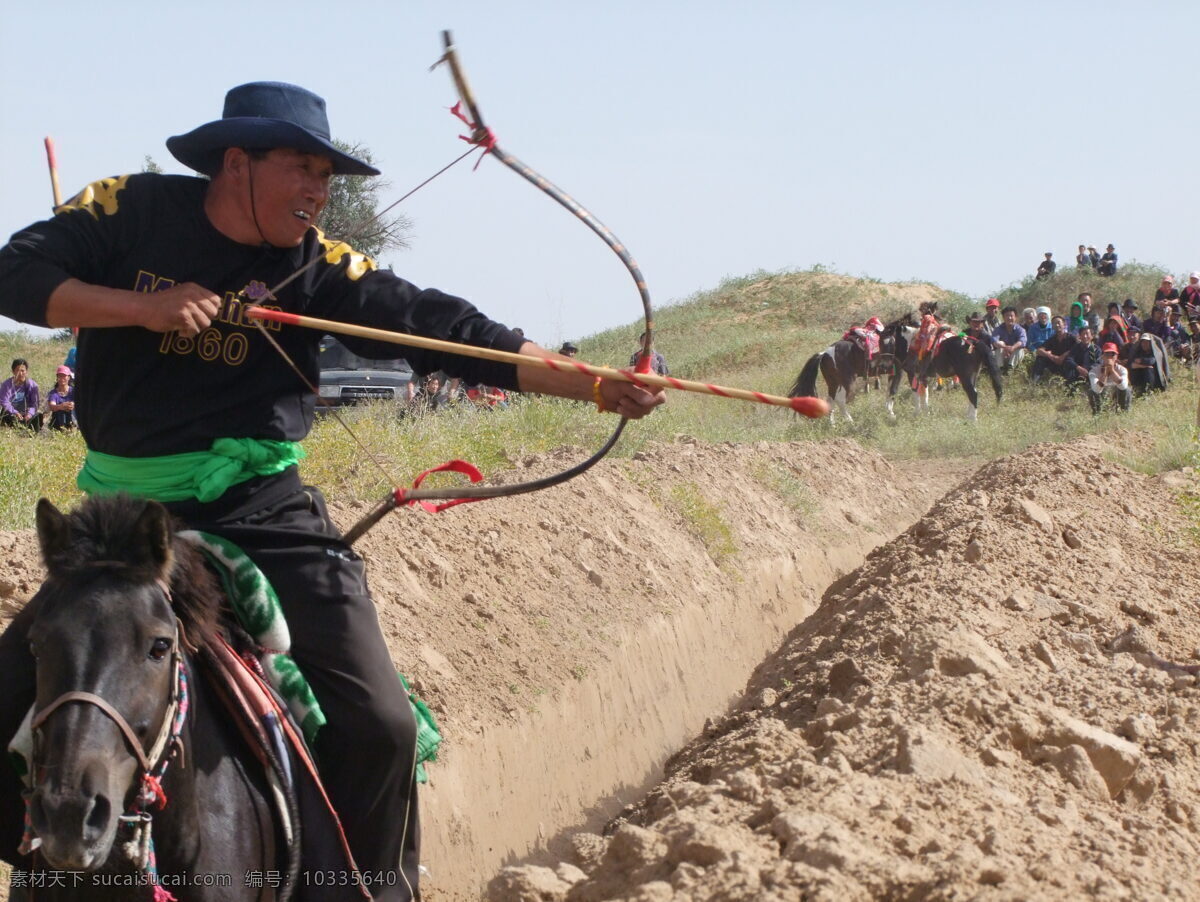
{"x": 358, "y": 265}
{"x": 98, "y": 197}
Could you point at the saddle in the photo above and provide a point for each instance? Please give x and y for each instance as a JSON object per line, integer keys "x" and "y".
{"x": 867, "y": 339}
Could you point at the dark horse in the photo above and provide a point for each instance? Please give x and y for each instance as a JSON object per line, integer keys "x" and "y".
{"x": 110, "y": 628}
{"x": 845, "y": 361}
{"x": 955, "y": 356}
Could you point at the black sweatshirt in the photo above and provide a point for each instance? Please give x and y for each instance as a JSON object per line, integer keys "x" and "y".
{"x": 143, "y": 393}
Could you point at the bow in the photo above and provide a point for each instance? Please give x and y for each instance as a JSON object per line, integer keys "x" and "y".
{"x": 482, "y": 137}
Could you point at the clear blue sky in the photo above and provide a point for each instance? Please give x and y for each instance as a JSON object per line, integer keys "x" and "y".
{"x": 952, "y": 142}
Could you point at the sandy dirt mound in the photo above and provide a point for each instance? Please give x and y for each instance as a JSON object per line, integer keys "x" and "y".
{"x": 983, "y": 710}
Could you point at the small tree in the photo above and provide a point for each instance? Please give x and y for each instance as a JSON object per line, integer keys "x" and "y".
{"x": 353, "y": 202}
{"x": 148, "y": 165}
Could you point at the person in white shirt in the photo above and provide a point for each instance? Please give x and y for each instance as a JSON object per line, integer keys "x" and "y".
{"x": 1109, "y": 378}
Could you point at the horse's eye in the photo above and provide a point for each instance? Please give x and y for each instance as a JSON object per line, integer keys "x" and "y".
{"x": 159, "y": 649}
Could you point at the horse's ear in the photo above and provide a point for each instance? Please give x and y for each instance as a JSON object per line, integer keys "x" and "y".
{"x": 54, "y": 531}
{"x": 152, "y": 532}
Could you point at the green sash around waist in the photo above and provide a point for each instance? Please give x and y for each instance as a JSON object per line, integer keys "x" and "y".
{"x": 203, "y": 475}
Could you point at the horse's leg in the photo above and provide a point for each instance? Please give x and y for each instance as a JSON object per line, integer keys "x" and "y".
{"x": 967, "y": 380}
{"x": 841, "y": 397}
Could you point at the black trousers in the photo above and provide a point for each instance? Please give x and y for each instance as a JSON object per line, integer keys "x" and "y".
{"x": 366, "y": 750}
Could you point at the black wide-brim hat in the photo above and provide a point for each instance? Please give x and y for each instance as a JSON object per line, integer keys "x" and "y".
{"x": 264, "y": 115}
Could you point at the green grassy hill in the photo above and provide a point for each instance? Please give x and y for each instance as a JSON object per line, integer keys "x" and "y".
{"x": 751, "y": 332}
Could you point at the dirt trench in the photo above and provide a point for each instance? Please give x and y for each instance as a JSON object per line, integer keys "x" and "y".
{"x": 571, "y": 642}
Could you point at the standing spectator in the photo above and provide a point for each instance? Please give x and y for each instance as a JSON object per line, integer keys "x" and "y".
{"x": 1190, "y": 296}
{"x": 19, "y": 399}
{"x": 1082, "y": 260}
{"x": 1009, "y": 341}
{"x": 568, "y": 349}
{"x": 1076, "y": 320}
{"x": 1094, "y": 257}
{"x": 1109, "y": 378}
{"x": 992, "y": 319}
{"x": 1108, "y": 262}
{"x": 61, "y": 400}
{"x": 1129, "y": 313}
{"x": 1167, "y": 292}
{"x": 658, "y": 363}
{"x": 1052, "y": 354}
{"x": 1084, "y": 355}
{"x": 1046, "y": 268}
{"x": 1036, "y": 334}
{"x": 1089, "y": 314}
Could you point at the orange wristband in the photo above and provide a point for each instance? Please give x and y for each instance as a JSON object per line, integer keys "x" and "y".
{"x": 597, "y": 397}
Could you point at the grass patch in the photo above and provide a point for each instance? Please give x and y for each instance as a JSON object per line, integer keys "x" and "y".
{"x": 704, "y": 521}
{"x": 794, "y": 492}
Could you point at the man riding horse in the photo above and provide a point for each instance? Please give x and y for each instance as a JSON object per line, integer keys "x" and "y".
{"x": 156, "y": 270}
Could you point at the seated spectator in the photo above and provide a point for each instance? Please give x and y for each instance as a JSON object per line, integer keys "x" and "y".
{"x": 1082, "y": 259}
{"x": 1009, "y": 341}
{"x": 1108, "y": 262}
{"x": 487, "y": 397}
{"x": 19, "y": 399}
{"x": 1046, "y": 268}
{"x": 568, "y": 349}
{"x": 1028, "y": 318}
{"x": 61, "y": 400}
{"x": 1194, "y": 337}
{"x": 1075, "y": 319}
{"x": 1132, "y": 334}
{"x": 1084, "y": 355}
{"x": 976, "y": 330}
{"x": 658, "y": 363}
{"x": 1147, "y": 368}
{"x": 1089, "y": 314}
{"x": 1037, "y": 334}
{"x": 1052, "y": 355}
{"x": 1157, "y": 324}
{"x": 1115, "y": 332}
{"x": 1190, "y": 296}
{"x": 1129, "y": 312}
{"x": 1177, "y": 340}
{"x": 992, "y": 318}
{"x": 1108, "y": 377}
{"x": 1166, "y": 291}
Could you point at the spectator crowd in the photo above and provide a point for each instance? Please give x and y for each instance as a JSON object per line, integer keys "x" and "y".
{"x": 21, "y": 400}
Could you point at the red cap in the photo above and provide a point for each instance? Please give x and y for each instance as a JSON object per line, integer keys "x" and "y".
{"x": 1110, "y": 347}
{"x": 993, "y": 302}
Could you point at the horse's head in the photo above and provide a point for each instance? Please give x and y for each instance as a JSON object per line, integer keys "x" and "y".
{"x": 105, "y": 628}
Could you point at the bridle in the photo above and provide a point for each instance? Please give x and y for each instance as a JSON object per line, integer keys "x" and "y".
{"x": 152, "y": 764}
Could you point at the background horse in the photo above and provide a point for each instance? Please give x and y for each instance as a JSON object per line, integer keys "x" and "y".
{"x": 122, "y": 601}
{"x": 955, "y": 356}
{"x": 845, "y": 361}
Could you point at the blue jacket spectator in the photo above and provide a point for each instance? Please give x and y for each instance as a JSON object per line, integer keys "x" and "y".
{"x": 1037, "y": 334}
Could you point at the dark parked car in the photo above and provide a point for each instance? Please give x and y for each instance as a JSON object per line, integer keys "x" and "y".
{"x": 347, "y": 379}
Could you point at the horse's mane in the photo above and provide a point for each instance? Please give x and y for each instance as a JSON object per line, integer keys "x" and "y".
{"x": 135, "y": 539}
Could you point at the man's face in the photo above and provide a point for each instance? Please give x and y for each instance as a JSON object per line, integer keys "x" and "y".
{"x": 1059, "y": 326}
{"x": 1085, "y": 335}
{"x": 291, "y": 189}
{"x": 1043, "y": 319}
{"x": 1086, "y": 300}
{"x": 1010, "y": 317}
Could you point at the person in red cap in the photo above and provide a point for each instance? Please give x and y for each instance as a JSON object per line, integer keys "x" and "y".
{"x": 1109, "y": 378}
{"x": 991, "y": 316}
